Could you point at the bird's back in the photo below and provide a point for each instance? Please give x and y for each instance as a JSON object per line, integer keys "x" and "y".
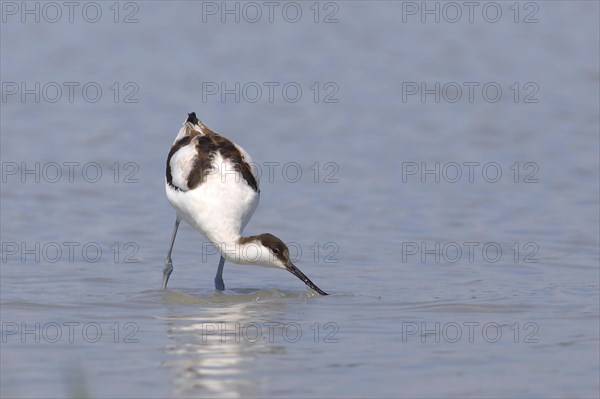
{"x": 210, "y": 182}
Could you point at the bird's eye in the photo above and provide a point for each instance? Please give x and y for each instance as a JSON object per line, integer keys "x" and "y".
{"x": 275, "y": 251}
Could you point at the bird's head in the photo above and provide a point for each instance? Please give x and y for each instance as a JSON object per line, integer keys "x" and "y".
{"x": 272, "y": 252}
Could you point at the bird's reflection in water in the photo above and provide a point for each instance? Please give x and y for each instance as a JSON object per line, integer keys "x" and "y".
{"x": 216, "y": 340}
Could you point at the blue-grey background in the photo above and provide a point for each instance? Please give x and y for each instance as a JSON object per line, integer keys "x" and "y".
{"x": 394, "y": 318}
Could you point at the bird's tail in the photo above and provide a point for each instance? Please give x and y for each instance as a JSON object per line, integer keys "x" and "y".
{"x": 193, "y": 127}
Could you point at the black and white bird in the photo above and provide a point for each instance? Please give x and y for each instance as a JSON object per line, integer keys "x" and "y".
{"x": 212, "y": 186}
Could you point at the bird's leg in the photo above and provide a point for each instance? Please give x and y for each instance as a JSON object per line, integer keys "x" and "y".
{"x": 219, "y": 283}
{"x": 168, "y": 262}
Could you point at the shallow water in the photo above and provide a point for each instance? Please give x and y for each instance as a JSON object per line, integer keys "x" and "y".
{"x": 439, "y": 288}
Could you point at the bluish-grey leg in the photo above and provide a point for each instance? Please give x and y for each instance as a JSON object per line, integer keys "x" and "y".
{"x": 168, "y": 262}
{"x": 219, "y": 283}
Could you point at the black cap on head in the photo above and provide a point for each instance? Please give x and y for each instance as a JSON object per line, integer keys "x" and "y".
{"x": 192, "y": 118}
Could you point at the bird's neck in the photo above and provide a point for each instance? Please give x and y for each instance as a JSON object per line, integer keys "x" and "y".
{"x": 240, "y": 250}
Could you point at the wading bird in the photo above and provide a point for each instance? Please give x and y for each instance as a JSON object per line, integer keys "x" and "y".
{"x": 211, "y": 185}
